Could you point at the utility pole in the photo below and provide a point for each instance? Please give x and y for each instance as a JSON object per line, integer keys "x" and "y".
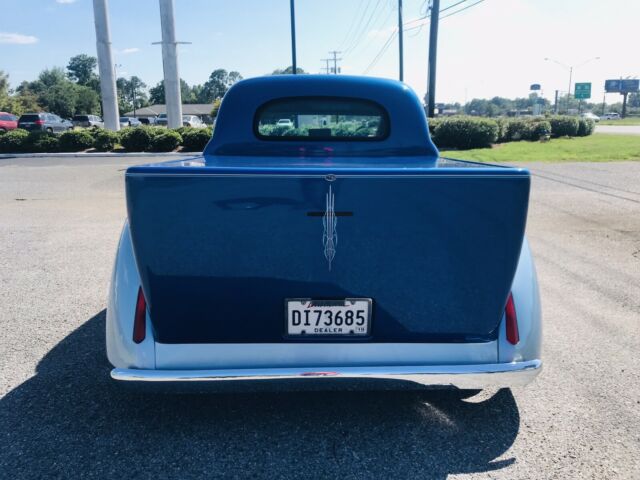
{"x": 433, "y": 50}
{"x": 326, "y": 67}
{"x": 555, "y": 105}
{"x": 105, "y": 66}
{"x": 570, "y": 68}
{"x": 335, "y": 60}
{"x": 170, "y": 65}
{"x": 400, "y": 41}
{"x": 294, "y": 64}
{"x": 569, "y": 91}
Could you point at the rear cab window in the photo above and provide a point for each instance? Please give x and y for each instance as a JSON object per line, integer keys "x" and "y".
{"x": 321, "y": 118}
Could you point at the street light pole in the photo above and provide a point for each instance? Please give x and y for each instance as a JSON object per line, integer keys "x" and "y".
{"x": 570, "y": 68}
{"x": 400, "y": 41}
{"x": 292, "y": 8}
{"x": 433, "y": 50}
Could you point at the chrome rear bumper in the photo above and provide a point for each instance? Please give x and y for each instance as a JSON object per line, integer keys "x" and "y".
{"x": 460, "y": 376}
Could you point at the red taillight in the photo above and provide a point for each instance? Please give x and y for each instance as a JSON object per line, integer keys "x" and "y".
{"x": 513, "y": 337}
{"x": 39, "y": 122}
{"x": 140, "y": 319}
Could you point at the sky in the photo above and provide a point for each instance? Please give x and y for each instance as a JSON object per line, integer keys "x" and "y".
{"x": 492, "y": 48}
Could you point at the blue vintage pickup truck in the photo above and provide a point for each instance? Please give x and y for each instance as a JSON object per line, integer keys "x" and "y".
{"x": 320, "y": 235}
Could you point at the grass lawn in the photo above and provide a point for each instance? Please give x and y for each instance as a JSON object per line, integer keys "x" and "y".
{"x": 622, "y": 121}
{"x": 599, "y": 147}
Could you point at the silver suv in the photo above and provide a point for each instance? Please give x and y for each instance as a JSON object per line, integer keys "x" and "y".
{"x": 87, "y": 121}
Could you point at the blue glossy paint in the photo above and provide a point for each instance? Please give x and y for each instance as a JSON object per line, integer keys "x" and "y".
{"x": 234, "y": 132}
{"x": 222, "y": 240}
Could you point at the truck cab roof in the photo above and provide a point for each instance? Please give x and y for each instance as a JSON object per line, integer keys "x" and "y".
{"x": 332, "y": 116}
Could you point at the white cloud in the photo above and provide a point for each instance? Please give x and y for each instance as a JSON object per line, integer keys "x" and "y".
{"x": 65, "y": 2}
{"x": 17, "y": 38}
{"x": 126, "y": 51}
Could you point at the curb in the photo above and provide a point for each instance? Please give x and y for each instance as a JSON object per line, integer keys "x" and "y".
{"x": 99, "y": 154}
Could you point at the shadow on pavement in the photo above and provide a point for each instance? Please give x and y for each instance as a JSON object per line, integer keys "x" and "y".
{"x": 72, "y": 420}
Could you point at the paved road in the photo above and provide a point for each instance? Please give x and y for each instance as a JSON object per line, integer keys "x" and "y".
{"x": 61, "y": 417}
{"x": 619, "y": 129}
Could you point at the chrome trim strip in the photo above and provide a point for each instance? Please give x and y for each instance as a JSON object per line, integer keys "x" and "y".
{"x": 461, "y": 376}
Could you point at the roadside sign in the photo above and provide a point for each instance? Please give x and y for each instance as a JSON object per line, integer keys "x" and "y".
{"x": 583, "y": 91}
{"x": 630, "y": 85}
{"x": 535, "y": 86}
{"x": 621, "y": 86}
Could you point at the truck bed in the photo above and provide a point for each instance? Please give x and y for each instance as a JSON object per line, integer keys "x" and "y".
{"x": 222, "y": 241}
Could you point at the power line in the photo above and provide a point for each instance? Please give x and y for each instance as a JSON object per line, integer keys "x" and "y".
{"x": 384, "y": 22}
{"x": 381, "y": 52}
{"x": 441, "y": 10}
{"x": 359, "y": 36}
{"x": 360, "y": 22}
{"x": 462, "y": 9}
{"x": 353, "y": 22}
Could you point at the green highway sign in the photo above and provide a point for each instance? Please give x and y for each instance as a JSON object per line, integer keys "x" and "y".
{"x": 583, "y": 91}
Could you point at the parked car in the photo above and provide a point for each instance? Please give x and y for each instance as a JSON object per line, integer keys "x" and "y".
{"x": 591, "y": 116}
{"x": 611, "y": 116}
{"x": 162, "y": 120}
{"x": 285, "y": 122}
{"x": 192, "y": 121}
{"x": 44, "y": 121}
{"x": 8, "y": 122}
{"x": 229, "y": 267}
{"x": 129, "y": 122}
{"x": 147, "y": 120}
{"x": 87, "y": 121}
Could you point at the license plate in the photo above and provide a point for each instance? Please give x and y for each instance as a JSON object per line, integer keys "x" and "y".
{"x": 348, "y": 317}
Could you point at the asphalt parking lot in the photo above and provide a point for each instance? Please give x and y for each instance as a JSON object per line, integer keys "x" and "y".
{"x": 62, "y": 417}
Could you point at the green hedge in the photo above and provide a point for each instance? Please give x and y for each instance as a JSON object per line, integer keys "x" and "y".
{"x": 76, "y": 140}
{"x": 105, "y": 140}
{"x": 564, "y": 126}
{"x": 166, "y": 141}
{"x": 135, "y": 139}
{"x": 195, "y": 139}
{"x": 466, "y": 132}
{"x": 586, "y": 127}
{"x": 13, "y": 141}
{"x": 41, "y": 142}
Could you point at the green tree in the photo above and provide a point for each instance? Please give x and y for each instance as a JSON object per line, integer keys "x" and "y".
{"x": 60, "y": 98}
{"x": 219, "y": 82}
{"x": 88, "y": 101}
{"x": 81, "y": 69}
{"x": 131, "y": 93}
{"x": 188, "y": 94}
{"x": 287, "y": 71}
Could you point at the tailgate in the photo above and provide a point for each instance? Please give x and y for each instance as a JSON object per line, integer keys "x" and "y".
{"x": 218, "y": 254}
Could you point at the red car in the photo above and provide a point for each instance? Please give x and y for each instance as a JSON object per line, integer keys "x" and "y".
{"x": 8, "y": 121}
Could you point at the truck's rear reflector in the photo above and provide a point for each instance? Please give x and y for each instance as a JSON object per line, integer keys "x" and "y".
{"x": 140, "y": 319}
{"x": 513, "y": 337}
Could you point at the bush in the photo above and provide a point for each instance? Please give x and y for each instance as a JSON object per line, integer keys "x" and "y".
{"x": 195, "y": 139}
{"x": 135, "y": 139}
{"x": 564, "y": 126}
{"x": 165, "y": 142}
{"x": 586, "y": 127}
{"x": 105, "y": 140}
{"x": 41, "y": 142}
{"x": 503, "y": 124}
{"x": 538, "y": 128}
{"x": 13, "y": 141}
{"x": 466, "y": 132}
{"x": 76, "y": 141}
{"x": 516, "y": 129}
{"x": 433, "y": 123}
